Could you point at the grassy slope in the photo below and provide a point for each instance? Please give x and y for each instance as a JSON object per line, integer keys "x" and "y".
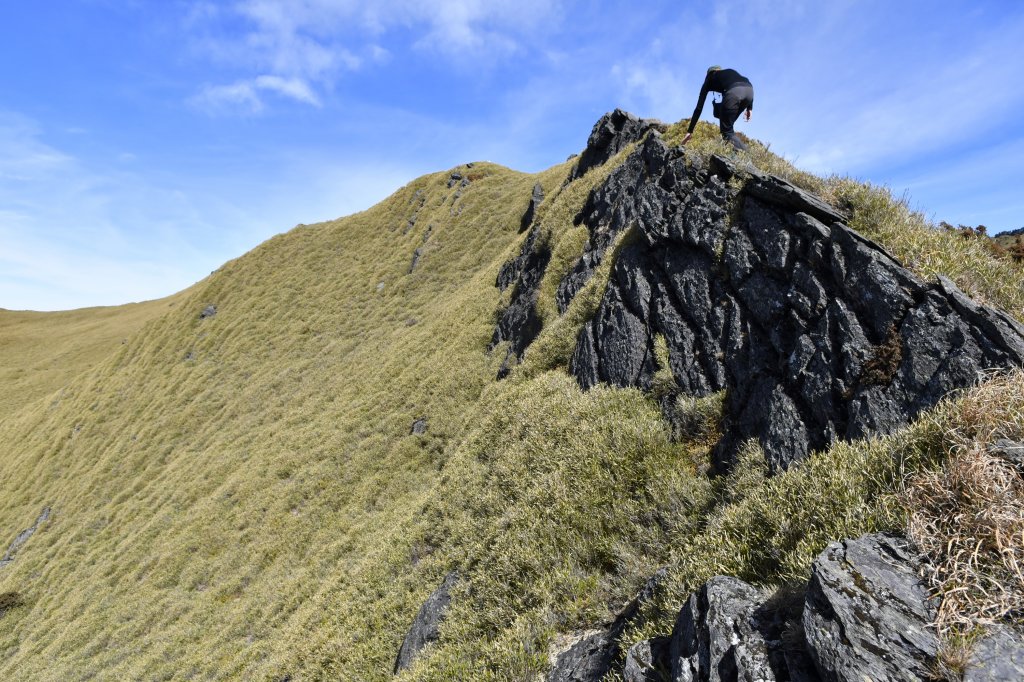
{"x": 40, "y": 352}
{"x": 262, "y": 509}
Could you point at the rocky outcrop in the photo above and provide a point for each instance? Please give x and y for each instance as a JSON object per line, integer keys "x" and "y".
{"x": 1010, "y": 452}
{"x": 611, "y": 134}
{"x": 536, "y": 197}
{"x": 208, "y": 311}
{"x": 760, "y": 288}
{"x": 719, "y": 634}
{"x": 519, "y": 323}
{"x": 590, "y": 655}
{"x": 23, "y": 537}
{"x": 865, "y": 615}
{"x": 646, "y": 660}
{"x": 426, "y": 626}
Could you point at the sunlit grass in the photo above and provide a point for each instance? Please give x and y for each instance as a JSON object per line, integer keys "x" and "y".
{"x": 241, "y": 496}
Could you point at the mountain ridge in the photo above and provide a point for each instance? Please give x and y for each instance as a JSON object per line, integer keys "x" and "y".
{"x": 271, "y": 492}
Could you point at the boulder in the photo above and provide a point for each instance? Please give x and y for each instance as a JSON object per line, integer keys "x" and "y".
{"x": 997, "y": 657}
{"x": 646, "y": 661}
{"x": 867, "y": 614}
{"x": 1010, "y": 452}
{"x": 208, "y": 311}
{"x": 864, "y": 615}
{"x": 586, "y": 657}
{"x": 426, "y": 626}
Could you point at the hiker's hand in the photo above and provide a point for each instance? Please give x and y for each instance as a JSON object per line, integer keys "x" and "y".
{"x": 748, "y": 114}
{"x": 687, "y": 138}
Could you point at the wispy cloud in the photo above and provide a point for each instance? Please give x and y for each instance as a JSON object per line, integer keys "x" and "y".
{"x": 248, "y": 95}
{"x": 302, "y": 48}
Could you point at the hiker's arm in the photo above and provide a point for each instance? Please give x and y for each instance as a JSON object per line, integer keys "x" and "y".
{"x": 700, "y": 107}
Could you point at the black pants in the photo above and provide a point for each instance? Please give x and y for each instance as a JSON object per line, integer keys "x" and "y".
{"x": 734, "y": 102}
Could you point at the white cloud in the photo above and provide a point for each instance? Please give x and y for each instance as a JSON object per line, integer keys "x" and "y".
{"x": 246, "y": 95}
{"x": 289, "y": 87}
{"x": 308, "y": 44}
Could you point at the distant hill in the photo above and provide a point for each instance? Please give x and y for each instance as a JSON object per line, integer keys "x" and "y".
{"x": 710, "y": 365}
{"x": 40, "y": 352}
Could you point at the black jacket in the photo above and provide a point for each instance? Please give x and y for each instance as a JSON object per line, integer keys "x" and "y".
{"x": 717, "y": 81}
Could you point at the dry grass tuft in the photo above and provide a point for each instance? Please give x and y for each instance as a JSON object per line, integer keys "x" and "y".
{"x": 969, "y": 518}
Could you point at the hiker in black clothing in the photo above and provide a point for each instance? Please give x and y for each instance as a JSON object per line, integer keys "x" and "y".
{"x": 737, "y": 95}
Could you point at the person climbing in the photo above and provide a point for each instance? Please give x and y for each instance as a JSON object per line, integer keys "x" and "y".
{"x": 737, "y": 95}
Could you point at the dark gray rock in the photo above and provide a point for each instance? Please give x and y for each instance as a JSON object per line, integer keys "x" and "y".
{"x": 454, "y": 179}
{"x": 1010, "y": 452}
{"x": 536, "y": 197}
{"x": 588, "y": 657}
{"x": 419, "y": 427}
{"x": 611, "y": 134}
{"x": 997, "y": 657}
{"x": 718, "y": 635}
{"x": 23, "y": 537}
{"x": 416, "y": 255}
{"x": 867, "y": 614}
{"x": 426, "y": 626}
{"x": 208, "y": 311}
{"x": 647, "y": 661}
{"x": 758, "y": 287}
{"x": 519, "y": 323}
{"x": 778, "y": 192}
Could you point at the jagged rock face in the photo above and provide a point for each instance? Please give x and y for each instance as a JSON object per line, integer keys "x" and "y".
{"x": 645, "y": 660}
{"x": 611, "y": 134}
{"x": 520, "y": 323}
{"x": 426, "y": 626}
{"x": 867, "y": 615}
{"x": 720, "y": 635}
{"x": 759, "y": 288}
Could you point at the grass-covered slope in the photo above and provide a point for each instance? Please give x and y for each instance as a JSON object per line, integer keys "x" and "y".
{"x": 241, "y": 496}
{"x": 40, "y": 352}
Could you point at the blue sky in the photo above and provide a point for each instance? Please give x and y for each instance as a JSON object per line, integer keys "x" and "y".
{"x": 145, "y": 142}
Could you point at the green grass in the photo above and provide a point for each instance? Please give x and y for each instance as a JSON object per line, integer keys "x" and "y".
{"x": 240, "y": 497}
